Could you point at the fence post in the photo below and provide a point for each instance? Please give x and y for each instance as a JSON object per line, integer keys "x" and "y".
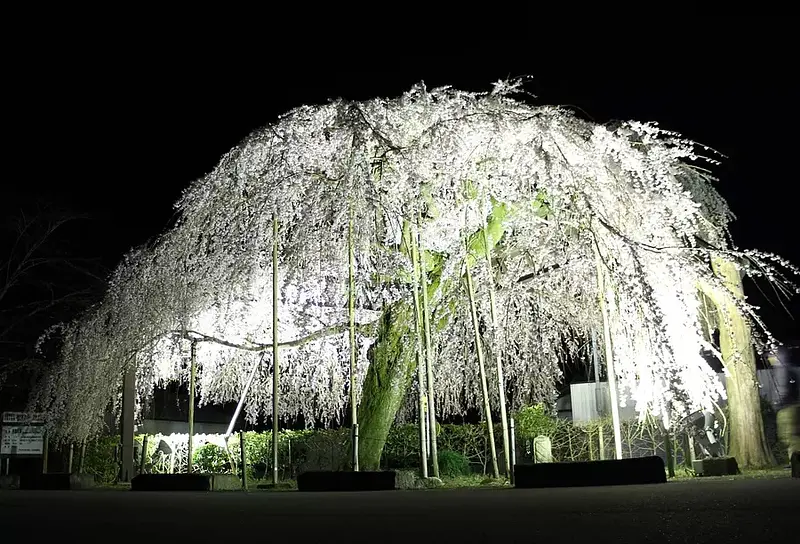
{"x": 291, "y": 468}
{"x": 45, "y": 452}
{"x": 668, "y": 452}
{"x": 143, "y": 457}
{"x": 243, "y": 456}
{"x": 83, "y": 456}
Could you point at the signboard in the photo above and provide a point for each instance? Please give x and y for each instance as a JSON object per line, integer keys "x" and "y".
{"x": 22, "y": 418}
{"x": 22, "y": 440}
{"x": 22, "y": 433}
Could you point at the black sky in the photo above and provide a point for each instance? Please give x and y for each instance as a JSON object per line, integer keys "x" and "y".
{"x": 118, "y": 130}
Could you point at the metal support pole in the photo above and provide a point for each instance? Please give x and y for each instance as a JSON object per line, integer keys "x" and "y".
{"x": 70, "y": 456}
{"x": 238, "y": 410}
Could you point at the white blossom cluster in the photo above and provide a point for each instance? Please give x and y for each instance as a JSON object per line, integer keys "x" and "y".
{"x": 556, "y": 190}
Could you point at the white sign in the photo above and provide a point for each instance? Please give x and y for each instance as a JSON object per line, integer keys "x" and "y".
{"x": 22, "y": 440}
{"x": 17, "y": 418}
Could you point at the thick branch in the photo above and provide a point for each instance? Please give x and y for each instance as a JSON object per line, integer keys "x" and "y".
{"x": 546, "y": 270}
{"x": 316, "y": 335}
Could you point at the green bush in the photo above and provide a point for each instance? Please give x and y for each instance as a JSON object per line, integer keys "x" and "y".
{"x": 211, "y": 459}
{"x": 533, "y": 421}
{"x": 453, "y": 464}
{"x": 401, "y": 450}
{"x": 101, "y": 461}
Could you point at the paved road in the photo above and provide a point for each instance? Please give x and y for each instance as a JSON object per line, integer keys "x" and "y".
{"x": 720, "y": 512}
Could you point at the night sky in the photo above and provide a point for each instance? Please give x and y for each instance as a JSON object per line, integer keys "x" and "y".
{"x": 118, "y": 131}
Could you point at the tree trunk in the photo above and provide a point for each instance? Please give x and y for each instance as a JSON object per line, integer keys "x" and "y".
{"x": 391, "y": 370}
{"x": 748, "y": 442}
{"x": 393, "y": 356}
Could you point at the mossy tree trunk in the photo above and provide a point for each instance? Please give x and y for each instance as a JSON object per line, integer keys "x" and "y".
{"x": 748, "y": 442}
{"x": 391, "y": 370}
{"x": 393, "y": 356}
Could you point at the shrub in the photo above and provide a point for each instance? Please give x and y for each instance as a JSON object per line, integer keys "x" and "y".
{"x": 533, "y": 421}
{"x": 453, "y": 464}
{"x": 211, "y": 459}
{"x": 101, "y": 461}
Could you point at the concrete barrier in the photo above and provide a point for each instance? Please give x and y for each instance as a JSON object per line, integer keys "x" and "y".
{"x": 56, "y": 481}
{"x": 171, "y": 482}
{"x": 186, "y": 482}
{"x": 225, "y": 482}
{"x": 346, "y": 481}
{"x": 716, "y": 466}
{"x": 10, "y": 481}
{"x": 639, "y": 470}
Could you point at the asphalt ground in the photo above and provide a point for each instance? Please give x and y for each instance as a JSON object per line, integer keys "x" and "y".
{"x": 713, "y": 511}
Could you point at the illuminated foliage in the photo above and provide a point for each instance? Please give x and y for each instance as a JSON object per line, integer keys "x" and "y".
{"x": 550, "y": 188}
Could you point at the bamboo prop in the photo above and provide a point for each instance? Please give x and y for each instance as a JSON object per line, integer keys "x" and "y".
{"x": 609, "y": 353}
{"x": 275, "y": 361}
{"x": 420, "y": 358}
{"x": 192, "y": 378}
{"x": 498, "y": 357}
{"x": 351, "y": 307}
{"x": 426, "y": 326}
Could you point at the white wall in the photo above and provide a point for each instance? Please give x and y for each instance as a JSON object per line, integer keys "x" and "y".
{"x": 586, "y": 398}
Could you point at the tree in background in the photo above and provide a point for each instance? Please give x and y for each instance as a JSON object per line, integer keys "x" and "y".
{"x": 43, "y": 281}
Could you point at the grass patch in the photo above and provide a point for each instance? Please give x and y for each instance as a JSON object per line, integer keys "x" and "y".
{"x": 473, "y": 480}
{"x": 683, "y": 474}
{"x": 119, "y": 486}
{"x": 267, "y": 485}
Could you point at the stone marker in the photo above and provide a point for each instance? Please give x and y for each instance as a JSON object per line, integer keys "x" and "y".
{"x": 542, "y": 450}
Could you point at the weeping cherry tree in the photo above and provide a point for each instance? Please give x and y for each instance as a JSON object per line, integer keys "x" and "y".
{"x": 552, "y": 202}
